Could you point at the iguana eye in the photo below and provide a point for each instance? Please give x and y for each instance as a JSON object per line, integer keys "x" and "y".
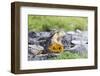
{"x": 59, "y": 48}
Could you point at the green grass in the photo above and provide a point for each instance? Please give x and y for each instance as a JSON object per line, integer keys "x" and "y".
{"x": 69, "y": 55}
{"x": 44, "y": 23}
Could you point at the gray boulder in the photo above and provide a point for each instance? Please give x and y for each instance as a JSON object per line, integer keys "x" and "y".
{"x": 35, "y": 38}
{"x": 44, "y": 34}
{"x": 33, "y": 41}
{"x": 79, "y": 48}
{"x": 75, "y": 41}
{"x": 32, "y": 34}
{"x": 35, "y": 49}
{"x": 39, "y": 57}
{"x": 66, "y": 41}
{"x": 78, "y": 42}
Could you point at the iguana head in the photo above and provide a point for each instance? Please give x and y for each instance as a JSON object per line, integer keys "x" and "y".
{"x": 56, "y": 46}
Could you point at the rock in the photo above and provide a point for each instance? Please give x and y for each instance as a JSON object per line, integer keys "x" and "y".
{"x": 32, "y": 34}
{"x": 35, "y": 49}
{"x": 85, "y": 36}
{"x": 38, "y": 37}
{"x": 33, "y": 38}
{"x": 66, "y": 41}
{"x": 79, "y": 48}
{"x": 30, "y": 56}
{"x": 44, "y": 34}
{"x": 38, "y": 34}
{"x": 71, "y": 32}
{"x": 77, "y": 42}
{"x": 78, "y": 31}
{"x": 39, "y": 58}
{"x": 43, "y": 57}
{"x": 76, "y": 37}
{"x": 33, "y": 41}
